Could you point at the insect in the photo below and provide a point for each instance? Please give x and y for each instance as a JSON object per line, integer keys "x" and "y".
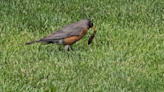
{"x": 91, "y": 37}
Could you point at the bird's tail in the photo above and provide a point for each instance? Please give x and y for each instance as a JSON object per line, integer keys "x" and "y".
{"x": 28, "y": 43}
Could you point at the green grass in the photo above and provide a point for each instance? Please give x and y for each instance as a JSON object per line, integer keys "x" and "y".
{"x": 127, "y": 54}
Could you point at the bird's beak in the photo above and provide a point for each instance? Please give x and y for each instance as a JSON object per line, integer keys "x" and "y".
{"x": 94, "y": 28}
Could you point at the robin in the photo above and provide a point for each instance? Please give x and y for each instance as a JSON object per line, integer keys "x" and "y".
{"x": 68, "y": 35}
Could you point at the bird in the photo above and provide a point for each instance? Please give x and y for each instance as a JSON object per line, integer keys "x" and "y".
{"x": 67, "y": 35}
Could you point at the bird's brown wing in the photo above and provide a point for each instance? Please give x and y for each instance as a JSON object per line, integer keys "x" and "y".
{"x": 65, "y": 32}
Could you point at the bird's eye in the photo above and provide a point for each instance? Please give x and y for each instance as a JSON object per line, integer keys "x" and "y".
{"x": 91, "y": 24}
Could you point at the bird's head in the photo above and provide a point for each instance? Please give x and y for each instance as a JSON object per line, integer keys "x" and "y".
{"x": 89, "y": 23}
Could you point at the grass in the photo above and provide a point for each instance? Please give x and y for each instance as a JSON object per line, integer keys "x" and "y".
{"x": 126, "y": 55}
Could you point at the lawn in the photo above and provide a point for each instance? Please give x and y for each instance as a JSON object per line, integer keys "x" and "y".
{"x": 127, "y": 54}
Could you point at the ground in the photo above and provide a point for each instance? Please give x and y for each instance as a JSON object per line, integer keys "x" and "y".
{"x": 126, "y": 55}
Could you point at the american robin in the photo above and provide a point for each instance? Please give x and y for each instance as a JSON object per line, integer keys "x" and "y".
{"x": 68, "y": 35}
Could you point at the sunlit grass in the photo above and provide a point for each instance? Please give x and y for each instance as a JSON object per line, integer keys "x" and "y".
{"x": 126, "y": 54}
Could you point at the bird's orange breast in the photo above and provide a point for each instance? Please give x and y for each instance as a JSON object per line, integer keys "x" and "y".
{"x": 73, "y": 39}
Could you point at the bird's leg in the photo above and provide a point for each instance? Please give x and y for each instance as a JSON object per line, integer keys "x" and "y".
{"x": 67, "y": 47}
